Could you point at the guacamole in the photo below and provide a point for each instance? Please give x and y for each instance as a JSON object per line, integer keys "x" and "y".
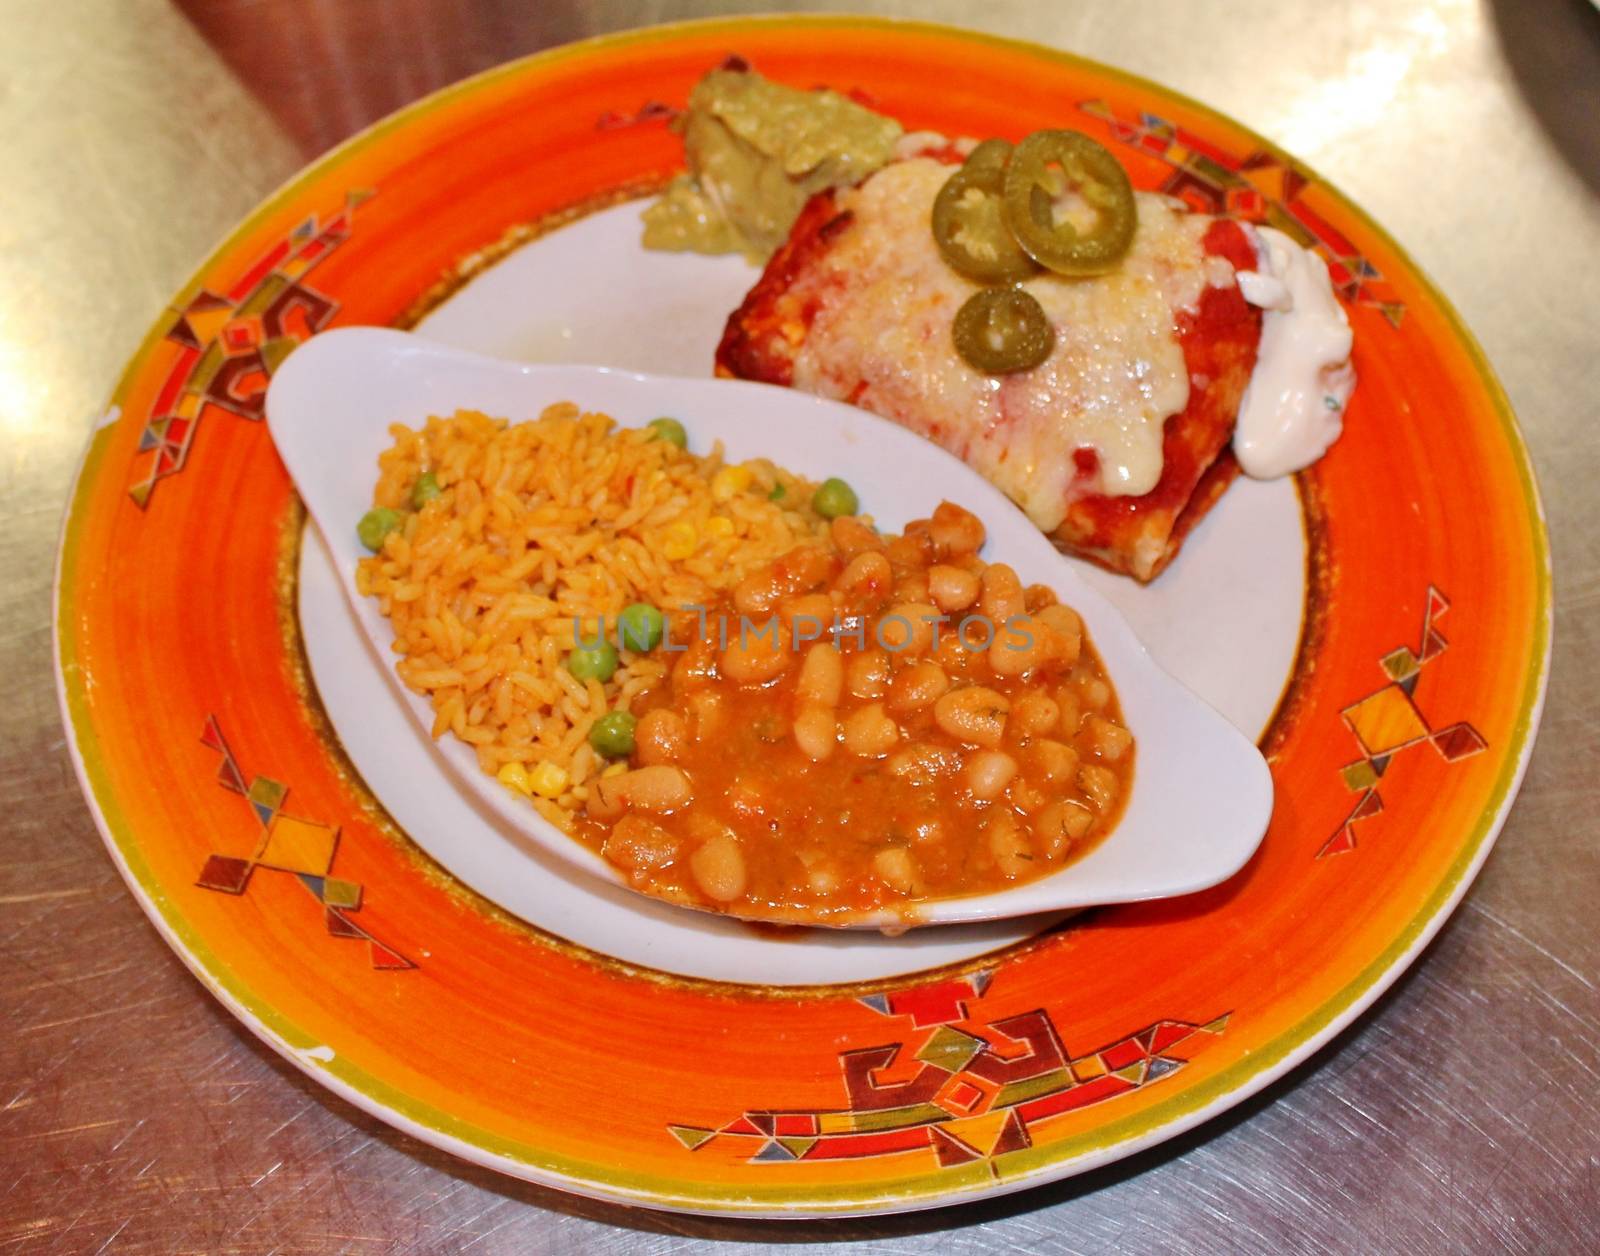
{"x": 757, "y": 151}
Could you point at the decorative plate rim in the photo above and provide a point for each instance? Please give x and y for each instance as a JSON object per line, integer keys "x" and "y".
{"x": 1114, "y": 1140}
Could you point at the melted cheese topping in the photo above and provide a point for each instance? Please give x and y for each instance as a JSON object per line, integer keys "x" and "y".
{"x": 881, "y": 337}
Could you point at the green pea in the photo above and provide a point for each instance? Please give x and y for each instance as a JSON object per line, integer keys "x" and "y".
{"x": 593, "y": 660}
{"x": 376, "y": 524}
{"x": 671, "y": 431}
{"x": 834, "y": 498}
{"x": 639, "y": 627}
{"x": 424, "y": 490}
{"x": 777, "y": 492}
{"x": 612, "y": 734}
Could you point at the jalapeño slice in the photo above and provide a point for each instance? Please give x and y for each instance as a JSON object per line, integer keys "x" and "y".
{"x": 1000, "y": 330}
{"x": 1068, "y": 202}
{"x": 969, "y": 224}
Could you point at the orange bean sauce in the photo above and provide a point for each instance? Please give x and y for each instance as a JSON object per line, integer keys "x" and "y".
{"x": 863, "y": 725}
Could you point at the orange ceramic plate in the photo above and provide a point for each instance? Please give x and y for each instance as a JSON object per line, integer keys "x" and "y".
{"x": 255, "y": 848}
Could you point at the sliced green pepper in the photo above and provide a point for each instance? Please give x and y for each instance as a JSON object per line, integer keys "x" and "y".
{"x": 989, "y": 155}
{"x": 1049, "y": 165}
{"x": 1000, "y": 330}
{"x": 969, "y": 223}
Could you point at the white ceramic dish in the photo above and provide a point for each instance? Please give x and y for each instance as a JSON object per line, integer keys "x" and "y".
{"x": 1202, "y": 795}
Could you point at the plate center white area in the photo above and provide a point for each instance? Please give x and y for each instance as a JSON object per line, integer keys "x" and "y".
{"x": 1225, "y": 619}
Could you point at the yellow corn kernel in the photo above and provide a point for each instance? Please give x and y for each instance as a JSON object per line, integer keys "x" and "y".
{"x": 514, "y": 776}
{"x": 680, "y": 540}
{"x": 548, "y": 780}
{"x": 719, "y": 525}
{"x": 730, "y": 480}
{"x": 616, "y": 769}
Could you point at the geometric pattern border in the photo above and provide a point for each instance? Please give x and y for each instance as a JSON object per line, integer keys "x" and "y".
{"x": 231, "y": 342}
{"x": 1388, "y": 722}
{"x": 303, "y": 849}
{"x": 958, "y": 1090}
{"x": 1260, "y": 188}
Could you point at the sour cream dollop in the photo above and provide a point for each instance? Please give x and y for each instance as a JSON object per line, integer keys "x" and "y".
{"x": 1293, "y": 408}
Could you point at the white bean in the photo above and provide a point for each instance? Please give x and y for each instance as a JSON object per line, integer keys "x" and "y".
{"x": 989, "y": 772}
{"x": 758, "y": 657}
{"x": 1013, "y": 853}
{"x": 868, "y": 572}
{"x": 955, "y": 530}
{"x": 896, "y": 867}
{"x": 1060, "y": 824}
{"x": 917, "y": 686}
{"x": 973, "y": 714}
{"x": 821, "y": 679}
{"x": 951, "y": 588}
{"x": 1033, "y": 714}
{"x": 1049, "y": 762}
{"x": 661, "y": 736}
{"x": 638, "y": 844}
{"x": 870, "y": 732}
{"x": 659, "y": 787}
{"x": 816, "y": 732}
{"x": 1100, "y": 784}
{"x": 1110, "y": 740}
{"x": 1000, "y": 594}
{"x": 718, "y": 868}
{"x": 866, "y": 675}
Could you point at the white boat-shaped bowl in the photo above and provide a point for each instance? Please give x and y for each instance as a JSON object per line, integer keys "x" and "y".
{"x": 1202, "y": 794}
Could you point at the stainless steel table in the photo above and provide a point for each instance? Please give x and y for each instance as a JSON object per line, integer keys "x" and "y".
{"x": 1463, "y": 1113}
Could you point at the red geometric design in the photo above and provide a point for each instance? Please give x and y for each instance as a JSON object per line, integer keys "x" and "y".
{"x": 206, "y": 301}
{"x": 949, "y": 1149}
{"x": 340, "y": 925}
{"x": 1247, "y": 203}
{"x": 1166, "y": 1034}
{"x": 850, "y": 1146}
{"x": 1259, "y": 187}
{"x": 386, "y": 960}
{"x": 228, "y": 346}
{"x": 868, "y": 1094}
{"x": 228, "y": 777}
{"x": 932, "y": 1005}
{"x": 1013, "y": 1135}
{"x": 211, "y": 737}
{"x": 1122, "y": 1054}
{"x": 1003, "y": 1064}
{"x": 1341, "y": 841}
{"x": 242, "y": 334}
{"x": 1457, "y": 742}
{"x": 1371, "y": 803}
{"x": 225, "y": 874}
{"x": 1083, "y": 1095}
{"x": 965, "y": 1095}
{"x": 228, "y": 874}
{"x": 1019, "y": 1075}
